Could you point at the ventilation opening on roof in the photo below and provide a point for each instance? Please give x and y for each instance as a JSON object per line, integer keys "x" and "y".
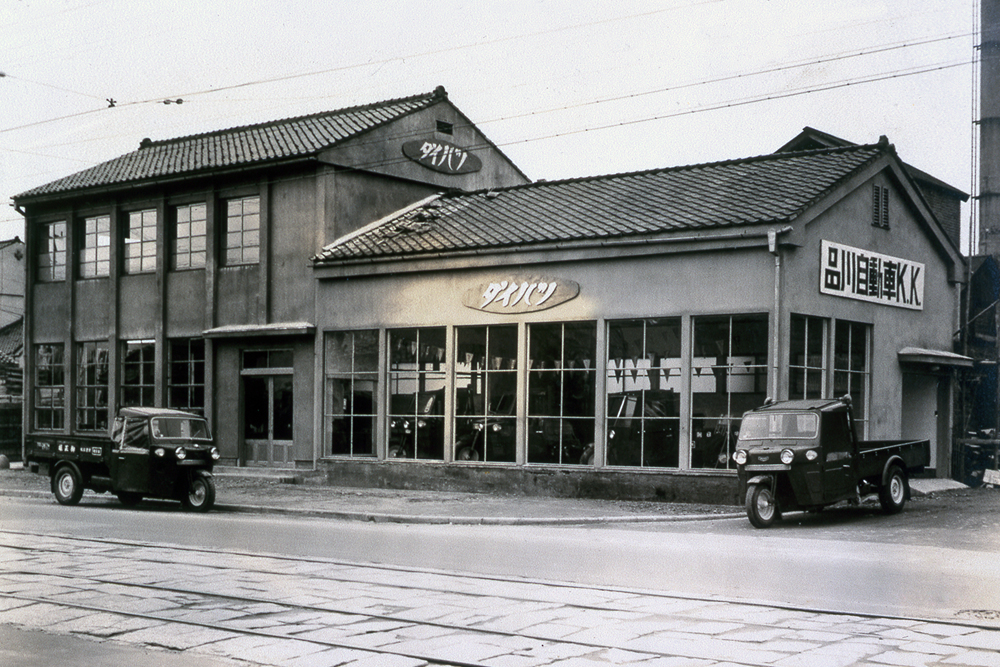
{"x": 880, "y": 206}
{"x": 445, "y": 127}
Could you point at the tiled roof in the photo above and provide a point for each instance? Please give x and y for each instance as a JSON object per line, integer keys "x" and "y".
{"x": 276, "y": 140}
{"x": 12, "y": 341}
{"x": 766, "y": 189}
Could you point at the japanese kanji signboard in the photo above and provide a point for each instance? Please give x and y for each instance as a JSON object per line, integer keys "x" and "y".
{"x": 520, "y": 294}
{"x": 442, "y": 156}
{"x": 869, "y": 276}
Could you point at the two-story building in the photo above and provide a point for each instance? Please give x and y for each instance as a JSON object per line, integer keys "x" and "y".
{"x": 178, "y": 275}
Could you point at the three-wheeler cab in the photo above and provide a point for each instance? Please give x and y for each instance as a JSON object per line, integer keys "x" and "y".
{"x": 151, "y": 453}
{"x": 805, "y": 455}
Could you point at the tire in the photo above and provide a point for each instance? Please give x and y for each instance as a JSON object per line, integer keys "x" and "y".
{"x": 67, "y": 485}
{"x": 200, "y": 496}
{"x": 892, "y": 494}
{"x": 467, "y": 454}
{"x": 129, "y": 498}
{"x": 762, "y": 507}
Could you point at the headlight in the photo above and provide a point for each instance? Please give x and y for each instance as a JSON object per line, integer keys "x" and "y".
{"x": 159, "y": 451}
{"x": 180, "y": 453}
{"x": 497, "y": 428}
{"x": 811, "y": 455}
{"x": 787, "y": 456}
{"x": 478, "y": 426}
{"x": 214, "y": 453}
{"x": 740, "y": 457}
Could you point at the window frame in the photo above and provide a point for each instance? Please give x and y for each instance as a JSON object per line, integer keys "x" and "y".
{"x": 50, "y": 384}
{"x": 249, "y": 235}
{"x": 191, "y": 239}
{"x": 146, "y": 376}
{"x": 350, "y": 377}
{"x": 146, "y": 245}
{"x": 94, "y": 246}
{"x": 193, "y": 363}
{"x": 93, "y": 384}
{"x": 51, "y": 262}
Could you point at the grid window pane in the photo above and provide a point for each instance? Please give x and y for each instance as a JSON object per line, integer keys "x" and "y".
{"x": 643, "y": 393}
{"x": 140, "y": 242}
{"x": 416, "y": 393}
{"x": 50, "y": 387}
{"x": 485, "y": 390}
{"x": 851, "y": 372}
{"x": 807, "y": 358}
{"x": 562, "y": 378}
{"x": 51, "y": 252}
{"x": 186, "y": 385}
{"x": 188, "y": 243}
{"x": 92, "y": 386}
{"x": 351, "y": 369}
{"x": 138, "y": 373}
{"x": 95, "y": 255}
{"x": 242, "y": 231}
{"x": 728, "y": 377}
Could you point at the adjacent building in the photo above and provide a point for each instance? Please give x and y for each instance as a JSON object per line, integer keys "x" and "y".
{"x": 380, "y": 293}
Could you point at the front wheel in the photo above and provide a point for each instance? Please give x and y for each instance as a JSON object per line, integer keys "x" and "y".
{"x": 892, "y": 494}
{"x": 200, "y": 495}
{"x": 762, "y": 507}
{"x": 67, "y": 486}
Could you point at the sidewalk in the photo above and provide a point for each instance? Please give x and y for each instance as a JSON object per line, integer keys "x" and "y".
{"x": 299, "y": 493}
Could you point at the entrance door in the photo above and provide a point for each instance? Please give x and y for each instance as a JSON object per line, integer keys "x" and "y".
{"x": 267, "y": 426}
{"x": 921, "y": 407}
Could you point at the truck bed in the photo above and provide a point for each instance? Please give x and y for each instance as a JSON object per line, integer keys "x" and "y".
{"x": 873, "y": 454}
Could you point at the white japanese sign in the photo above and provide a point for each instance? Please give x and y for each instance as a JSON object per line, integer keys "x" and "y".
{"x": 442, "y": 156}
{"x": 854, "y": 273}
{"x": 520, "y": 294}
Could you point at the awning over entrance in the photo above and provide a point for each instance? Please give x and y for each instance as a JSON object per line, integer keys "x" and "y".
{"x": 274, "y": 329}
{"x": 918, "y": 355}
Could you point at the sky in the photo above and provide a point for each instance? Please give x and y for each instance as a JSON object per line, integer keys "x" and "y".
{"x": 564, "y": 88}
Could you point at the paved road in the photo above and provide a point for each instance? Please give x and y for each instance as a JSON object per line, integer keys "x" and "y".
{"x": 317, "y": 612}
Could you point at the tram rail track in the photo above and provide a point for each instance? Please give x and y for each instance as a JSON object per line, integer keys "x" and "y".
{"x": 327, "y": 605}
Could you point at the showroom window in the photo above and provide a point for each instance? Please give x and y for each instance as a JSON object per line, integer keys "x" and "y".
{"x": 485, "y": 391}
{"x": 807, "y": 357}
{"x": 416, "y": 393}
{"x": 851, "y": 373}
{"x": 138, "y": 373}
{"x": 351, "y": 360}
{"x": 187, "y": 375}
{"x": 562, "y": 378}
{"x": 50, "y": 386}
{"x": 92, "y": 386}
{"x": 728, "y": 377}
{"x": 643, "y": 393}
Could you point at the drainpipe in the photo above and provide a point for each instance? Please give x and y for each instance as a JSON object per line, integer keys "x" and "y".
{"x": 772, "y": 246}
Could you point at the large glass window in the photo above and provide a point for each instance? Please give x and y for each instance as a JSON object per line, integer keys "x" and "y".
{"x": 643, "y": 390}
{"x": 50, "y": 387}
{"x": 187, "y": 375}
{"x": 95, "y": 247}
{"x": 92, "y": 386}
{"x": 485, "y": 392}
{"x": 561, "y": 384}
{"x": 851, "y": 373}
{"x": 807, "y": 357}
{"x": 51, "y": 252}
{"x": 140, "y": 242}
{"x": 351, "y": 387}
{"x": 187, "y": 250}
{"x": 242, "y": 231}
{"x": 728, "y": 377}
{"x": 416, "y": 393}
{"x": 139, "y": 373}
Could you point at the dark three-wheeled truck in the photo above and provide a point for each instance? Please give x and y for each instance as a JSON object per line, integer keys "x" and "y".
{"x": 805, "y": 455}
{"x": 151, "y": 453}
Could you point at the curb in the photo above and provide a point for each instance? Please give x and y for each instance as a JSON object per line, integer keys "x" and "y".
{"x": 429, "y": 519}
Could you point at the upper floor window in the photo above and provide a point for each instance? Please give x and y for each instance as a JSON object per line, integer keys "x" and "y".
{"x": 242, "y": 231}
{"x": 188, "y": 248}
{"x": 51, "y": 252}
{"x": 140, "y": 242}
{"x": 95, "y": 247}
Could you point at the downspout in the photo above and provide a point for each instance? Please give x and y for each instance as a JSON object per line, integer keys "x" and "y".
{"x": 772, "y": 247}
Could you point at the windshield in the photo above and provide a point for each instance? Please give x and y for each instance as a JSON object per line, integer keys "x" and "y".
{"x": 181, "y": 427}
{"x": 801, "y": 425}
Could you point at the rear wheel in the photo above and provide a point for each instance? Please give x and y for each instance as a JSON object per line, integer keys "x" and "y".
{"x": 762, "y": 507}
{"x": 892, "y": 494}
{"x": 67, "y": 486}
{"x": 467, "y": 454}
{"x": 200, "y": 496}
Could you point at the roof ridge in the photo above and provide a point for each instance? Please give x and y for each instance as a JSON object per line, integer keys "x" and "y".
{"x": 883, "y": 143}
{"x": 437, "y": 93}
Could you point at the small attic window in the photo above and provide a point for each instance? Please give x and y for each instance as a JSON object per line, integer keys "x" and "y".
{"x": 445, "y": 127}
{"x": 880, "y": 206}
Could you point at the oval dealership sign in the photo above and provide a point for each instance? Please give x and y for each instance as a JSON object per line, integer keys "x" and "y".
{"x": 520, "y": 294}
{"x": 442, "y": 156}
